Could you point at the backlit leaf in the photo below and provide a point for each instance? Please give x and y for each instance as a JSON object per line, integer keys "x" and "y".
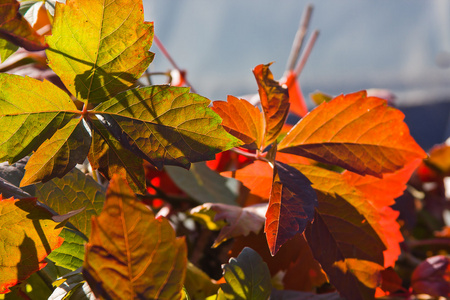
{"x": 25, "y": 124}
{"x": 296, "y": 100}
{"x": 274, "y": 101}
{"x": 198, "y": 284}
{"x": 70, "y": 254}
{"x": 28, "y": 236}
{"x": 241, "y": 220}
{"x": 99, "y": 48}
{"x": 291, "y": 206}
{"x": 6, "y": 49}
{"x": 204, "y": 185}
{"x": 74, "y": 191}
{"x": 257, "y": 176}
{"x": 178, "y": 126}
{"x": 440, "y": 159}
{"x": 242, "y": 120}
{"x": 247, "y": 277}
{"x": 130, "y": 254}
{"x": 15, "y": 29}
{"x": 68, "y": 147}
{"x": 110, "y": 157}
{"x": 359, "y": 133}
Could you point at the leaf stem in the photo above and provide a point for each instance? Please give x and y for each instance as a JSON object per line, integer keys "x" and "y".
{"x": 172, "y": 62}
{"x": 258, "y": 155}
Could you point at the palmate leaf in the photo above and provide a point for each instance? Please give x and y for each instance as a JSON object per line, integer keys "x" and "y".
{"x": 28, "y": 236}
{"x": 165, "y": 125}
{"x": 130, "y": 254}
{"x": 241, "y": 119}
{"x": 110, "y": 157}
{"x": 274, "y": 101}
{"x": 99, "y": 48}
{"x": 359, "y": 133}
{"x": 15, "y": 28}
{"x": 291, "y": 206}
{"x": 26, "y": 123}
{"x": 68, "y": 147}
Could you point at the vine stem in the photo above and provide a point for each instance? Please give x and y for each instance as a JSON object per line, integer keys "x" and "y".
{"x": 170, "y": 59}
{"x": 258, "y": 155}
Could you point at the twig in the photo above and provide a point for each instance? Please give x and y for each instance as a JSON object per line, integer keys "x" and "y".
{"x": 172, "y": 62}
{"x": 305, "y": 54}
{"x": 429, "y": 242}
{"x": 299, "y": 37}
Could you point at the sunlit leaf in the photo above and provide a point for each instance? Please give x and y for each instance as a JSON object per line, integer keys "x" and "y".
{"x": 242, "y": 120}
{"x": 70, "y": 254}
{"x": 291, "y": 206}
{"x": 131, "y": 254}
{"x": 319, "y": 97}
{"x": 15, "y": 29}
{"x": 25, "y": 124}
{"x": 296, "y": 99}
{"x": 204, "y": 185}
{"x": 274, "y": 101}
{"x": 28, "y": 236}
{"x": 74, "y": 191}
{"x": 440, "y": 159}
{"x": 178, "y": 126}
{"x": 354, "y": 132}
{"x": 6, "y": 49}
{"x": 247, "y": 277}
{"x": 68, "y": 147}
{"x": 240, "y": 220}
{"x": 99, "y": 48}
{"x": 110, "y": 157}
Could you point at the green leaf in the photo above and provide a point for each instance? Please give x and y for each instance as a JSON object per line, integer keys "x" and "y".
{"x": 28, "y": 236}
{"x": 68, "y": 147}
{"x": 247, "y": 277}
{"x": 71, "y": 253}
{"x": 130, "y": 254}
{"x": 6, "y": 49}
{"x": 99, "y": 48}
{"x": 204, "y": 185}
{"x": 110, "y": 157}
{"x": 72, "y": 192}
{"x": 26, "y": 123}
{"x": 198, "y": 284}
{"x": 15, "y": 29}
{"x": 178, "y": 127}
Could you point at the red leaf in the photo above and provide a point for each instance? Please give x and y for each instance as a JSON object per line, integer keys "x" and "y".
{"x": 291, "y": 206}
{"x": 432, "y": 277}
{"x": 274, "y": 101}
{"x": 241, "y": 119}
{"x": 298, "y": 105}
{"x": 16, "y": 29}
{"x": 359, "y": 133}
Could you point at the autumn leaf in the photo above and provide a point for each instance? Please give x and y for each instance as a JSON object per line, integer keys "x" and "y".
{"x": 274, "y": 101}
{"x": 247, "y": 277}
{"x": 242, "y": 120}
{"x": 70, "y": 254}
{"x": 68, "y": 147}
{"x": 99, "y": 49}
{"x": 291, "y": 206}
{"x": 296, "y": 100}
{"x": 257, "y": 176}
{"x": 25, "y": 124}
{"x": 29, "y": 235}
{"x": 131, "y": 254}
{"x": 15, "y": 29}
{"x": 240, "y": 220}
{"x": 439, "y": 159}
{"x": 354, "y": 132}
{"x": 432, "y": 276}
{"x": 179, "y": 127}
{"x": 109, "y": 157}
{"x": 6, "y": 49}
{"x": 198, "y": 284}
{"x": 74, "y": 191}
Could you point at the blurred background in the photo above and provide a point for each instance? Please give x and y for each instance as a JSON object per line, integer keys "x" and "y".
{"x": 402, "y": 46}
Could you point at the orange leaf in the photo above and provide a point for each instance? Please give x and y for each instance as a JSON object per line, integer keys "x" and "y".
{"x": 16, "y": 29}
{"x": 130, "y": 254}
{"x": 274, "y": 101}
{"x": 241, "y": 119}
{"x": 359, "y": 133}
{"x": 28, "y": 236}
{"x": 291, "y": 206}
{"x": 257, "y": 176}
{"x": 298, "y": 105}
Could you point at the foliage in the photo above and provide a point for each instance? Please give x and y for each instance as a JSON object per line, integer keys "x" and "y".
{"x": 305, "y": 213}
